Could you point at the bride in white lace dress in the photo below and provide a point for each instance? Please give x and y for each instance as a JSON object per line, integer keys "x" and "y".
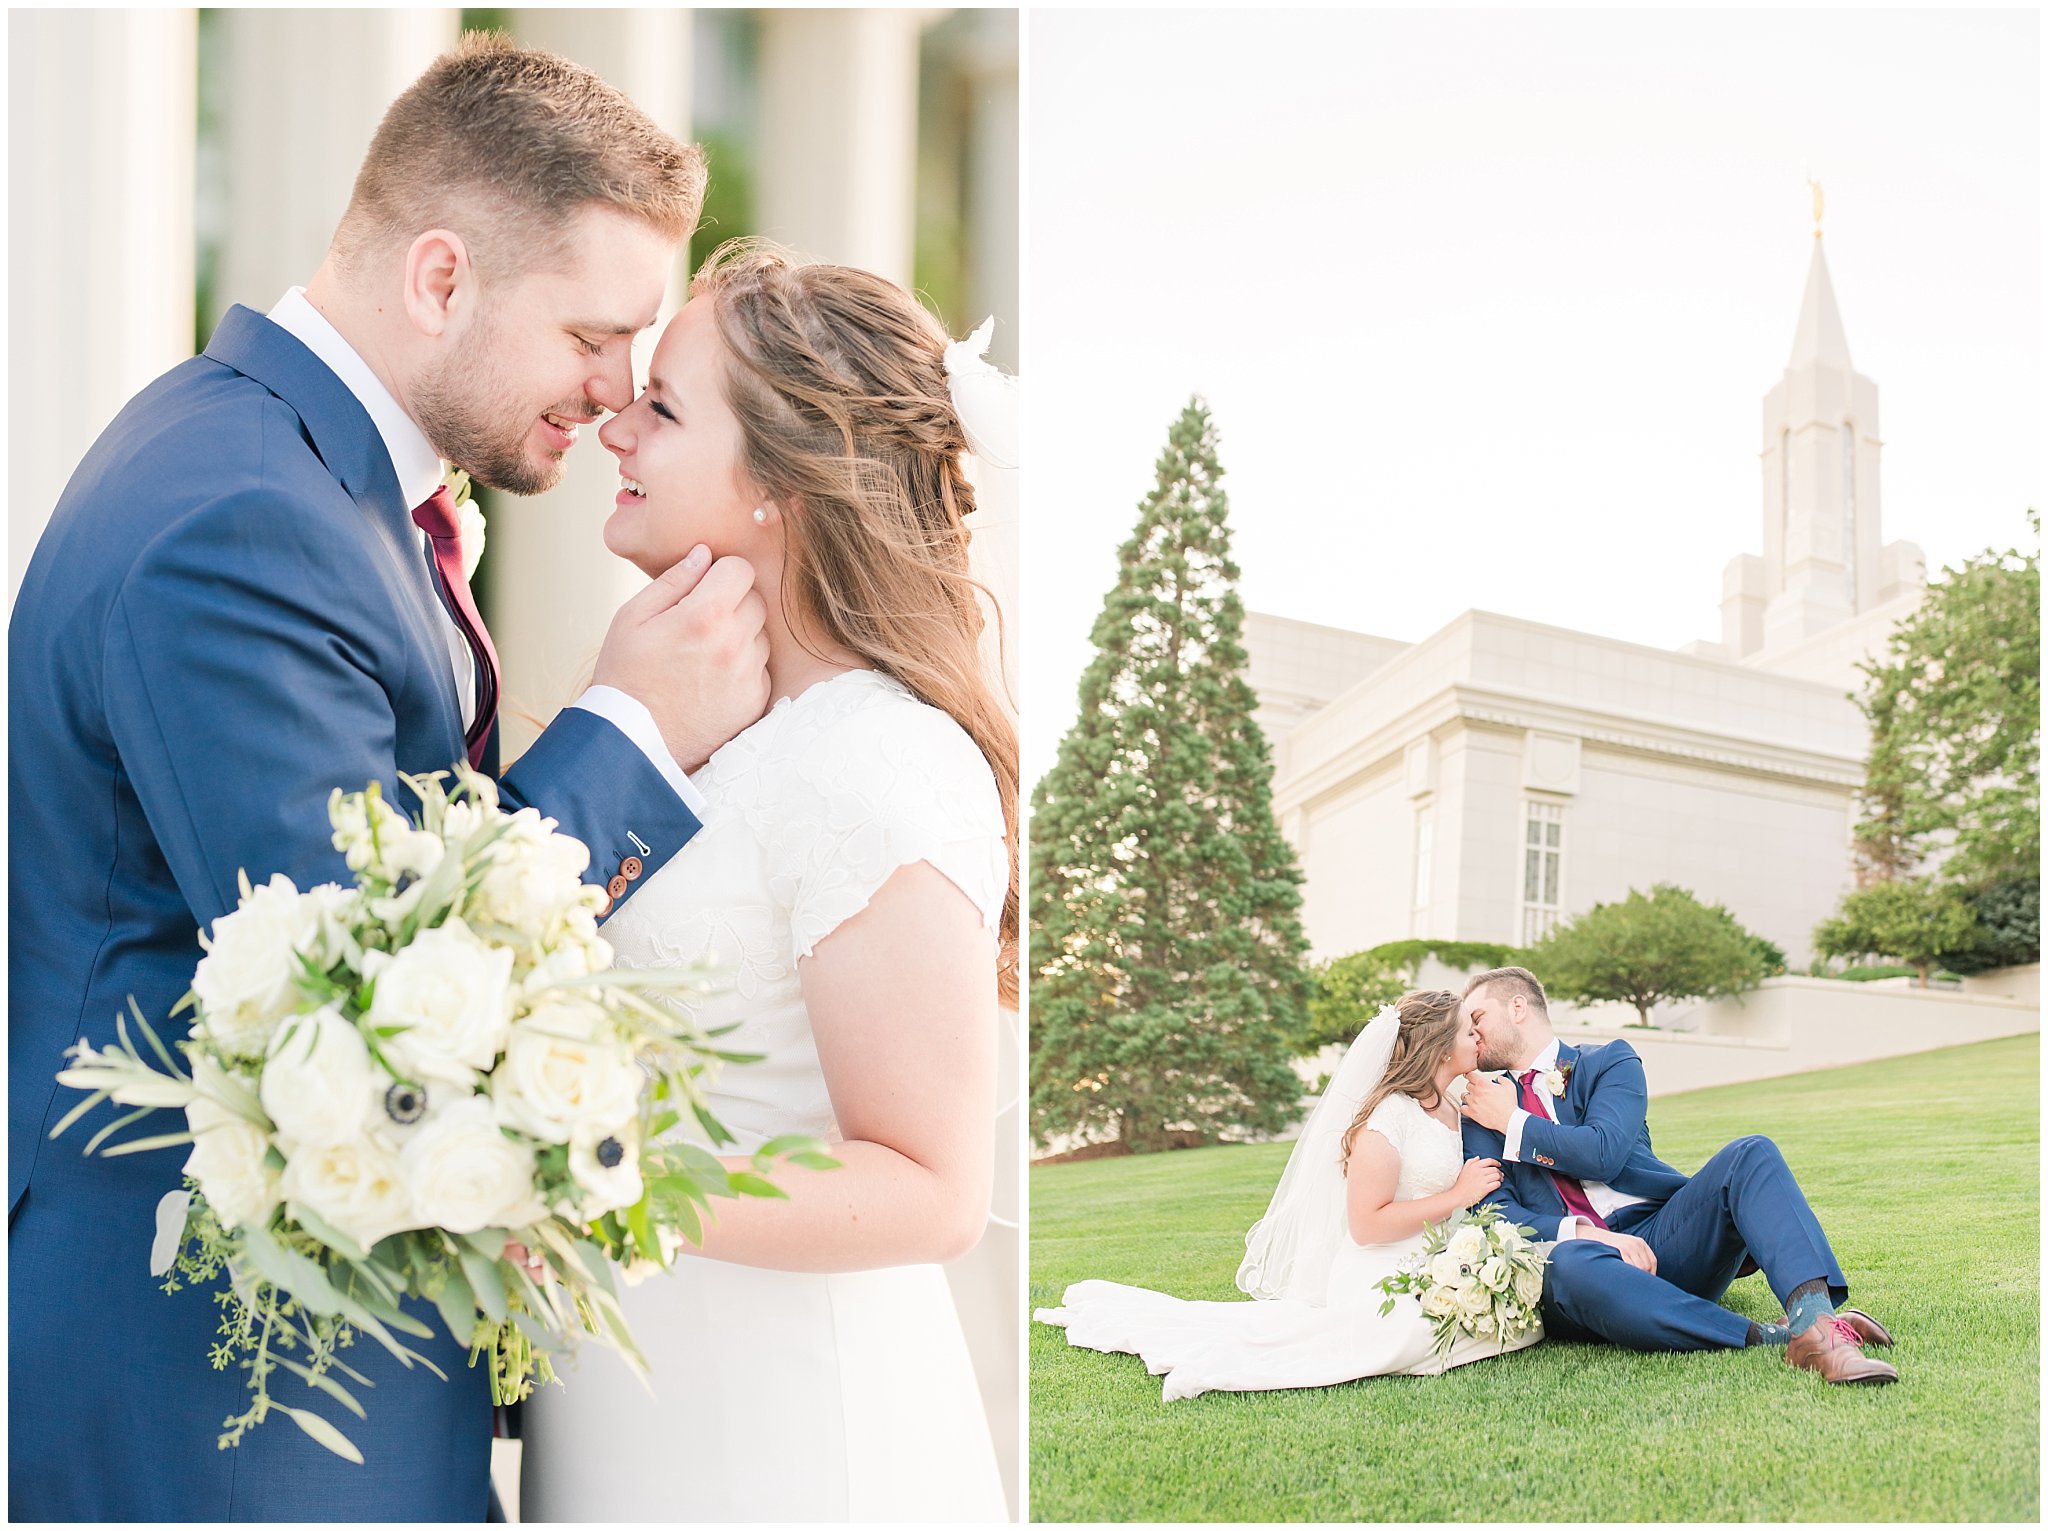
{"x": 1380, "y": 1159}
{"x": 855, "y": 875}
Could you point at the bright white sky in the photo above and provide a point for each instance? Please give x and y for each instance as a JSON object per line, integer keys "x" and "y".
{"x": 1485, "y": 303}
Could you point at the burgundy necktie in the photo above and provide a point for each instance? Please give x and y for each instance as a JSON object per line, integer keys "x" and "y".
{"x": 1573, "y": 1193}
{"x": 437, "y": 518}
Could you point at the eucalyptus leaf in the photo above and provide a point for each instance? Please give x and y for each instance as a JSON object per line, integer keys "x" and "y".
{"x": 78, "y": 1110}
{"x": 290, "y": 1271}
{"x": 116, "y": 1125}
{"x": 486, "y": 1283}
{"x": 321, "y": 1431}
{"x": 144, "y": 1145}
{"x": 457, "y": 1304}
{"x": 326, "y": 1384}
{"x": 327, "y": 1233}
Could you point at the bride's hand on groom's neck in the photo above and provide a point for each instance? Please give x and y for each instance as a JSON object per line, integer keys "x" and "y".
{"x": 693, "y": 649}
{"x": 1489, "y": 1100}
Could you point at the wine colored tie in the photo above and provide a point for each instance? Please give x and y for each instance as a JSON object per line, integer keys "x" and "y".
{"x": 437, "y": 518}
{"x": 1574, "y": 1194}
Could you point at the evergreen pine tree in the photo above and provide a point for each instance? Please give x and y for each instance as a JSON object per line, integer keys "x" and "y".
{"x": 1166, "y": 945}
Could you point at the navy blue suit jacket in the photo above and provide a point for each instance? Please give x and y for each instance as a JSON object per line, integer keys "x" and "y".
{"x": 1600, "y": 1134}
{"x": 228, "y": 616}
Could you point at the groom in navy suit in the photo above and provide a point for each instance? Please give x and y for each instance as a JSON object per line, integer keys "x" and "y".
{"x": 251, "y": 593}
{"x": 1644, "y": 1252}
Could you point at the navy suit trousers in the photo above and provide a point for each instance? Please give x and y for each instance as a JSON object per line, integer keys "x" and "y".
{"x": 1743, "y": 1201}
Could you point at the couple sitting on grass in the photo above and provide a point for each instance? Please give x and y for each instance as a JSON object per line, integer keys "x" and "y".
{"x": 1638, "y": 1254}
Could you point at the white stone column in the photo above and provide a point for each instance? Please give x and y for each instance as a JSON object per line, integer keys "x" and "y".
{"x": 304, "y": 92}
{"x": 837, "y": 168}
{"x": 102, "y": 122}
{"x": 994, "y": 232}
{"x": 552, "y": 585}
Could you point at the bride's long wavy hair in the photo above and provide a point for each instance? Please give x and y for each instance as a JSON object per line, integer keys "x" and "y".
{"x": 838, "y": 380}
{"x": 1429, "y": 1030}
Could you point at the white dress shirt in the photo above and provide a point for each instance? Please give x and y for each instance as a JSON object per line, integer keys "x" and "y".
{"x": 420, "y": 471}
{"x": 1604, "y": 1199}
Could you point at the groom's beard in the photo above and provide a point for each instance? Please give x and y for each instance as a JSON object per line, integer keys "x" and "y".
{"x": 473, "y": 419}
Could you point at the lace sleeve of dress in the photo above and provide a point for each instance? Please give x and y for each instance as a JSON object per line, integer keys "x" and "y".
{"x": 882, "y": 788}
{"x": 1392, "y": 1118}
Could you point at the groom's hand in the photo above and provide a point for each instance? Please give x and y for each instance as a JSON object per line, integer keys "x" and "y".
{"x": 1634, "y": 1250}
{"x": 1489, "y": 1100}
{"x": 693, "y": 649}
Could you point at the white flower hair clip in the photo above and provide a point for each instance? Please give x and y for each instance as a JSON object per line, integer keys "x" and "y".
{"x": 984, "y": 397}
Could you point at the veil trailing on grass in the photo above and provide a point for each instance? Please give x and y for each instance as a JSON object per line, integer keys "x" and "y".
{"x": 1288, "y": 1251}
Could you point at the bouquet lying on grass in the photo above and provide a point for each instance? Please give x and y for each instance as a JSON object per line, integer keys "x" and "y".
{"x": 1477, "y": 1274}
{"x": 423, "y": 1086}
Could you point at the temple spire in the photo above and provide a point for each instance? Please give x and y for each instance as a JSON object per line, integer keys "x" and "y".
{"x": 1820, "y": 339}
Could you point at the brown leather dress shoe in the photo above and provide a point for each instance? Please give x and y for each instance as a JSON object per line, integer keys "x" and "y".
{"x": 1832, "y": 1347}
{"x": 1868, "y": 1330}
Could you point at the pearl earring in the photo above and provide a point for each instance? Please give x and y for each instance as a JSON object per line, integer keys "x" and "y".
{"x": 760, "y": 516}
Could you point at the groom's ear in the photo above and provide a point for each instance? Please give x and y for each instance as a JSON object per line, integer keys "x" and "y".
{"x": 439, "y": 282}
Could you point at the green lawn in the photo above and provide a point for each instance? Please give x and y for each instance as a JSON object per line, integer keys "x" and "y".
{"x": 1924, "y": 1170}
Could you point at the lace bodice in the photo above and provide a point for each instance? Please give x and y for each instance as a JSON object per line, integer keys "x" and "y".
{"x": 810, "y": 811}
{"x": 1431, "y": 1153}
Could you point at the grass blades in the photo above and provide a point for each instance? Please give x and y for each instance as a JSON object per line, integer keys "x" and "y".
{"x": 1925, "y": 1172}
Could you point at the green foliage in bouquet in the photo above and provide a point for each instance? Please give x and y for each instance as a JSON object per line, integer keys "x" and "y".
{"x": 1475, "y": 1274}
{"x": 431, "y": 1086}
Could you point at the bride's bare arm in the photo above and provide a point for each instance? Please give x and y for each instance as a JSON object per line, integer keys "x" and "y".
{"x": 1371, "y": 1174}
{"x": 902, "y": 1001}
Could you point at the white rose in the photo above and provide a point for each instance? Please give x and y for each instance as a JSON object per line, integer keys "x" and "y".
{"x": 227, "y": 1160}
{"x": 608, "y": 1186}
{"x": 248, "y": 980}
{"x": 353, "y": 1186}
{"x": 450, "y": 992}
{"x": 1440, "y": 1301}
{"x": 1551, "y": 1082}
{"x": 1495, "y": 1274}
{"x": 533, "y": 874}
{"x": 1445, "y": 1270}
{"x": 319, "y": 1082}
{"x": 1468, "y": 1245}
{"x": 1483, "y": 1325}
{"x": 1529, "y": 1287}
{"x": 465, "y": 1174}
{"x": 1474, "y": 1300}
{"x": 565, "y": 1068}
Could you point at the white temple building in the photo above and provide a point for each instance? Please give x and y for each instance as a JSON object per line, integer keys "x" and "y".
{"x": 1501, "y": 774}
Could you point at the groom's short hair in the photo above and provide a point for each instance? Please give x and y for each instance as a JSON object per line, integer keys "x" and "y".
{"x": 506, "y": 145}
{"x": 1506, "y": 983}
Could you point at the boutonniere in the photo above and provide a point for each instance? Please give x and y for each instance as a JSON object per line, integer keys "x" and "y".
{"x": 469, "y": 521}
{"x": 1552, "y": 1081}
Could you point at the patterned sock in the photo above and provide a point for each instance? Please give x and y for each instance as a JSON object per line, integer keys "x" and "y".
{"x": 1768, "y": 1334}
{"x": 1809, "y": 1303}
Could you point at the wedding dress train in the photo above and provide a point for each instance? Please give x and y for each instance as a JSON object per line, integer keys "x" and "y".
{"x": 779, "y": 1395}
{"x": 1247, "y": 1346}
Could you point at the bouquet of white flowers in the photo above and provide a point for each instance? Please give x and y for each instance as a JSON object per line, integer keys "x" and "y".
{"x": 1477, "y": 1274}
{"x": 389, "y": 1089}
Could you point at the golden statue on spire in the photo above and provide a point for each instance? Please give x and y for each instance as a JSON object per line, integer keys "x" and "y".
{"x": 1819, "y": 204}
